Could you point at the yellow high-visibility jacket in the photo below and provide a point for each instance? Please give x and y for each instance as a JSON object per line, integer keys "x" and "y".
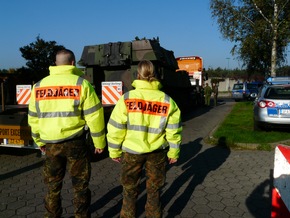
{"x": 144, "y": 120}
{"x": 62, "y": 105}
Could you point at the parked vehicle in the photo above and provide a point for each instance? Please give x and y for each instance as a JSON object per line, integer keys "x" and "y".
{"x": 193, "y": 66}
{"x": 244, "y": 91}
{"x": 272, "y": 105}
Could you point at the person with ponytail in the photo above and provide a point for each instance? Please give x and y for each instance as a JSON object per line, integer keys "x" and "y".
{"x": 144, "y": 130}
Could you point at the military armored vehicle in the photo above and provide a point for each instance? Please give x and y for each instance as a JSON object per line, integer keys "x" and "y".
{"x": 118, "y": 62}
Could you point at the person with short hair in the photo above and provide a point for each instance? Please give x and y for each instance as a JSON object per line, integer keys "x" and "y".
{"x": 63, "y": 107}
{"x": 207, "y": 94}
{"x": 144, "y": 129}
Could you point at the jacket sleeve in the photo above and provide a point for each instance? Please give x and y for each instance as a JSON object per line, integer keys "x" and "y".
{"x": 94, "y": 116}
{"x": 33, "y": 120}
{"x": 117, "y": 128}
{"x": 173, "y": 131}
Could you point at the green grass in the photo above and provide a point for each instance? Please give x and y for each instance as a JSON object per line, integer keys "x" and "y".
{"x": 238, "y": 128}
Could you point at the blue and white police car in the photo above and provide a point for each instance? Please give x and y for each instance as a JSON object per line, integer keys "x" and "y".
{"x": 272, "y": 104}
{"x": 244, "y": 91}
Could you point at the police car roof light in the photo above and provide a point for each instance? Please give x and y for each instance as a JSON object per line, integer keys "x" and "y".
{"x": 279, "y": 80}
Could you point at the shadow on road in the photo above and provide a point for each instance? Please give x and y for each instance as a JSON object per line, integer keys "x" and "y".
{"x": 200, "y": 110}
{"x": 196, "y": 167}
{"x": 20, "y": 152}
{"x": 106, "y": 199}
{"x": 21, "y": 170}
{"x": 260, "y": 205}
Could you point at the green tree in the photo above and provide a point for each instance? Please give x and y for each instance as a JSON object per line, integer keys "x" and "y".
{"x": 4, "y": 71}
{"x": 259, "y": 29}
{"x": 283, "y": 71}
{"x": 40, "y": 55}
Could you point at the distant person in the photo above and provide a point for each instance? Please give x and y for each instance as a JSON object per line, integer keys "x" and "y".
{"x": 207, "y": 94}
{"x": 144, "y": 130}
{"x": 62, "y": 106}
{"x": 215, "y": 91}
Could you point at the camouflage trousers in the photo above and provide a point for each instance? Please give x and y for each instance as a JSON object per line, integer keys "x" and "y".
{"x": 215, "y": 100}
{"x": 73, "y": 156}
{"x": 132, "y": 165}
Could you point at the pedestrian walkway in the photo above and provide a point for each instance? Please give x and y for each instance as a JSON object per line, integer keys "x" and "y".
{"x": 207, "y": 181}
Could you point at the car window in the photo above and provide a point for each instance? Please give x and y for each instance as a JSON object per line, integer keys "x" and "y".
{"x": 278, "y": 93}
{"x": 238, "y": 86}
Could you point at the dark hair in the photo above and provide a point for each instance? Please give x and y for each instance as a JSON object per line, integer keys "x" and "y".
{"x": 64, "y": 57}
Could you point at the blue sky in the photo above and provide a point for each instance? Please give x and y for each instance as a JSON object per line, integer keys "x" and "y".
{"x": 184, "y": 26}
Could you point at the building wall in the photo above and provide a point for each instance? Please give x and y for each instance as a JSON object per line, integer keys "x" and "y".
{"x": 226, "y": 85}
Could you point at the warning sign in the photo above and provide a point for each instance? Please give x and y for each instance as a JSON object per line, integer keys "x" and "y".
{"x": 15, "y": 132}
{"x": 23, "y": 94}
{"x": 111, "y": 92}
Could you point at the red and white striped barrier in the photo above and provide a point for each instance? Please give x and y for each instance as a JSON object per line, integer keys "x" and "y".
{"x": 281, "y": 187}
{"x": 111, "y": 92}
{"x": 23, "y": 94}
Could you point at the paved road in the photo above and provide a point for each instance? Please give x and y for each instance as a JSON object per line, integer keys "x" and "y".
{"x": 208, "y": 181}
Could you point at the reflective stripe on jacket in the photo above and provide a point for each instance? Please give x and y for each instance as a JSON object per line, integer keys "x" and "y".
{"x": 62, "y": 104}
{"x": 144, "y": 120}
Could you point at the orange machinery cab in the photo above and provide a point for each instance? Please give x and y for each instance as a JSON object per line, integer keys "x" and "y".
{"x": 193, "y": 65}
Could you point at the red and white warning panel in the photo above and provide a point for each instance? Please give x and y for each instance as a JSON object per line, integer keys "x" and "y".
{"x": 281, "y": 187}
{"x": 23, "y": 94}
{"x": 111, "y": 92}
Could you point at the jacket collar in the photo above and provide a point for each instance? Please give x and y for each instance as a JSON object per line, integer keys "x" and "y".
{"x": 65, "y": 69}
{"x": 143, "y": 84}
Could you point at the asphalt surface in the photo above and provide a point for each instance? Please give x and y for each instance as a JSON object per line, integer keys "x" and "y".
{"x": 207, "y": 181}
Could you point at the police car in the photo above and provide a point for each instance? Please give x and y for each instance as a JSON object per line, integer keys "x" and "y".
{"x": 244, "y": 91}
{"x": 272, "y": 104}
